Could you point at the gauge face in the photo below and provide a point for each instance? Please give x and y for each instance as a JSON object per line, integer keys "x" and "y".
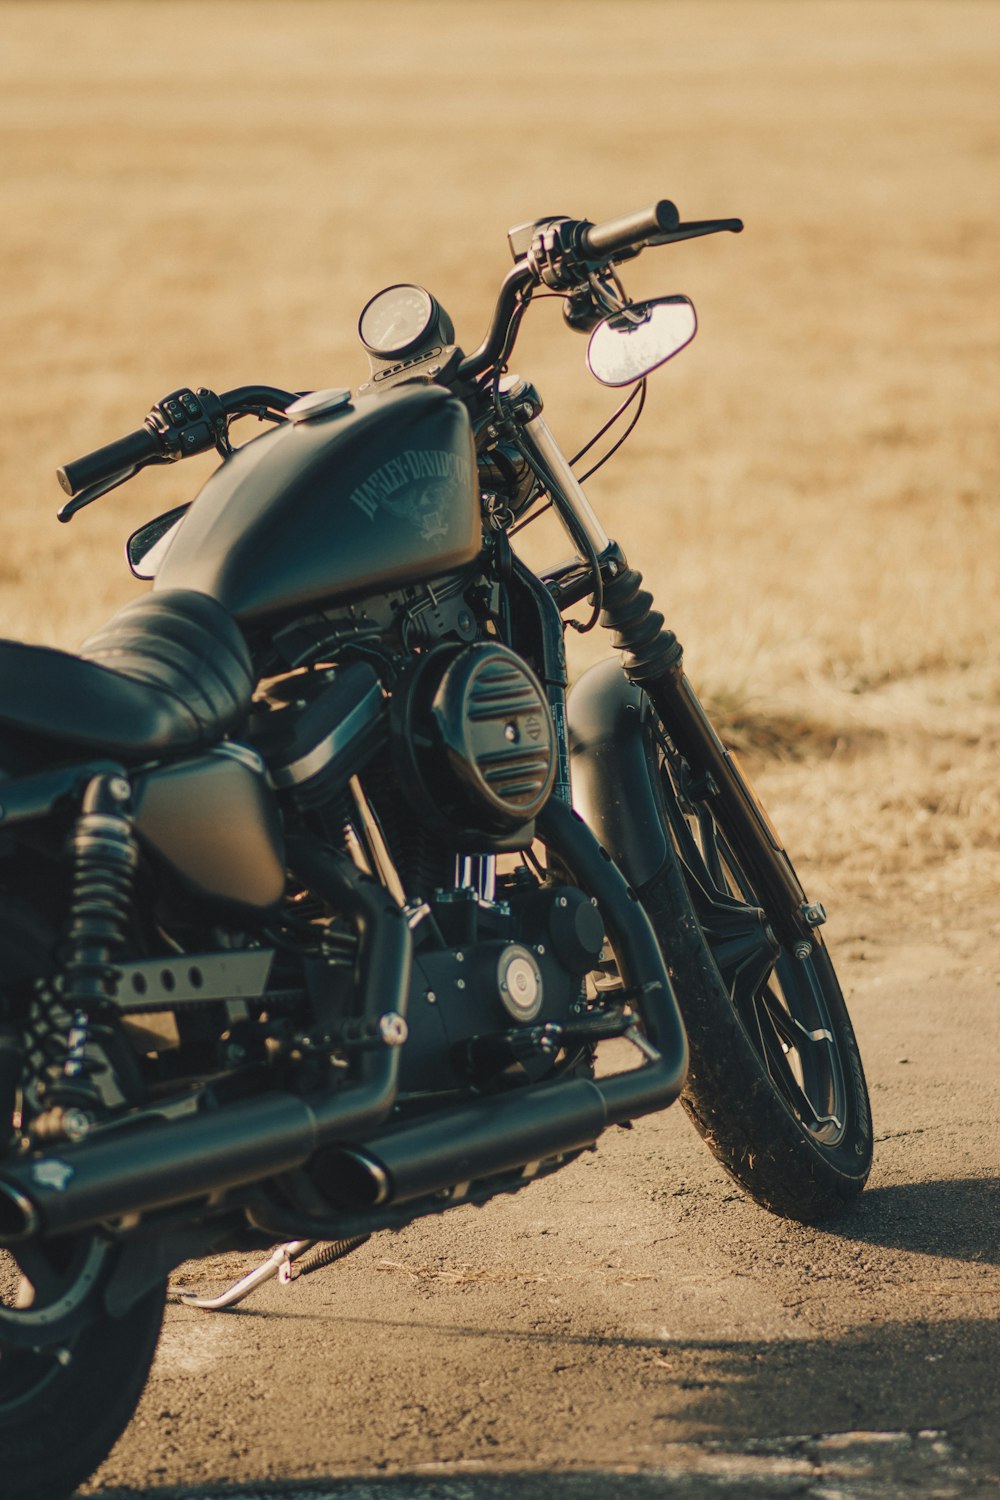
{"x": 396, "y": 319}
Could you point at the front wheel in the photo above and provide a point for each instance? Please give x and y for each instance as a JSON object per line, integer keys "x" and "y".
{"x": 776, "y": 1087}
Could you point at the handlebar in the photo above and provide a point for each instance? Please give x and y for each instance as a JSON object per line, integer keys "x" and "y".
{"x": 561, "y": 252}
{"x": 136, "y": 448}
{"x": 183, "y": 423}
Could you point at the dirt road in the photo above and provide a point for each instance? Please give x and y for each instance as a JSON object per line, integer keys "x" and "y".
{"x": 634, "y": 1326}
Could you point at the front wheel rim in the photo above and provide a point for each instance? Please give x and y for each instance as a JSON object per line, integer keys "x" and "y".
{"x": 777, "y": 997}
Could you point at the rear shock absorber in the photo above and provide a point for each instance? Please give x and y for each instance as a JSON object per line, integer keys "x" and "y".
{"x": 104, "y": 854}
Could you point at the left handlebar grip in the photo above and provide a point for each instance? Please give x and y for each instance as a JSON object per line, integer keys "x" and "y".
{"x": 104, "y": 463}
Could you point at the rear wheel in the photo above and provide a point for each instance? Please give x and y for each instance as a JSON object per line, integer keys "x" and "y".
{"x": 776, "y": 1086}
{"x": 70, "y": 1374}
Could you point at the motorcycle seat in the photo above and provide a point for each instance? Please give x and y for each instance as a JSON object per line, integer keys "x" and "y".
{"x": 169, "y": 672}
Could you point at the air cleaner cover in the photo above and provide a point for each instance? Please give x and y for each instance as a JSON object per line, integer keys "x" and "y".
{"x": 475, "y": 740}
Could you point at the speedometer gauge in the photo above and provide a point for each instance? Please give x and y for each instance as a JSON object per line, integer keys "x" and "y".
{"x": 397, "y": 320}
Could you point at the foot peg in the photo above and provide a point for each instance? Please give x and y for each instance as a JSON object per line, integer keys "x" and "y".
{"x": 302, "y": 1255}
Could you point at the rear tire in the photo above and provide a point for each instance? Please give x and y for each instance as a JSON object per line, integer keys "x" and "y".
{"x": 64, "y": 1404}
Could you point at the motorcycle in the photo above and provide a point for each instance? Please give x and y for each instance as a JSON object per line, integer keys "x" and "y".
{"x": 321, "y": 889}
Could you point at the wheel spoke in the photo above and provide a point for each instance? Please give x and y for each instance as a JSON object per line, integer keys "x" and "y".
{"x": 743, "y": 946}
{"x": 783, "y": 1077}
{"x": 710, "y": 850}
{"x": 780, "y": 1008}
{"x": 789, "y": 1027}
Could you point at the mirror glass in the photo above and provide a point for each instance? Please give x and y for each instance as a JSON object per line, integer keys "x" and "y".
{"x": 146, "y": 547}
{"x": 629, "y": 345}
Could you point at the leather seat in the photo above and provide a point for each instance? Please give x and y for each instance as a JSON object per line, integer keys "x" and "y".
{"x": 169, "y": 672}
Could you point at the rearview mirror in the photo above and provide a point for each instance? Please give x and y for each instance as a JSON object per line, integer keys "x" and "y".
{"x": 145, "y": 548}
{"x": 631, "y": 344}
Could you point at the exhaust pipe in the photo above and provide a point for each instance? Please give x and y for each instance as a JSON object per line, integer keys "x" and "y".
{"x": 652, "y": 1087}
{"x": 133, "y": 1170}
{"x": 464, "y": 1145}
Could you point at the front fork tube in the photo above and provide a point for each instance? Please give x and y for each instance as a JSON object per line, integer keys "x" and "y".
{"x": 652, "y": 661}
{"x": 574, "y": 510}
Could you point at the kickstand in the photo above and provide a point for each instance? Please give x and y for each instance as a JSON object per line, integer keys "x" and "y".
{"x": 278, "y": 1264}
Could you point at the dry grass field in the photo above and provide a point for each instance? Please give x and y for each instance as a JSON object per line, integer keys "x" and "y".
{"x": 208, "y": 191}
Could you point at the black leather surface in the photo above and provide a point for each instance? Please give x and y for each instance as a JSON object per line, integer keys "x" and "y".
{"x": 169, "y": 671}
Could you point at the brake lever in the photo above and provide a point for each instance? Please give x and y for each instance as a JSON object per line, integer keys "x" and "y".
{"x": 695, "y": 229}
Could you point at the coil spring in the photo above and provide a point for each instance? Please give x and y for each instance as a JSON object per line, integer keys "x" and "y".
{"x": 326, "y": 1254}
{"x": 104, "y": 855}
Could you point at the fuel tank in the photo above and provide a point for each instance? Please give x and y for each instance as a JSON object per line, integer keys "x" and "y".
{"x": 351, "y": 502}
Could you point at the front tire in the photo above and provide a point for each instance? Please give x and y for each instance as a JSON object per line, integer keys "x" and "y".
{"x": 776, "y": 1086}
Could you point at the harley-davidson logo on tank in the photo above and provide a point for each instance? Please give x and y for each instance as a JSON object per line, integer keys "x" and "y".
{"x": 416, "y": 487}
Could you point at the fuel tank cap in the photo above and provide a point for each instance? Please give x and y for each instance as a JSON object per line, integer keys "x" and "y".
{"x": 317, "y": 404}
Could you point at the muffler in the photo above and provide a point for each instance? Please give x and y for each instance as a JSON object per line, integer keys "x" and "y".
{"x": 455, "y": 1147}
{"x": 133, "y": 1171}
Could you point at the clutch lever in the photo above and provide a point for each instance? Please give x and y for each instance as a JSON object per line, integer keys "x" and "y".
{"x": 93, "y": 492}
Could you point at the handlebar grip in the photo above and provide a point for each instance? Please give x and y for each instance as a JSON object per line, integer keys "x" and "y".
{"x": 600, "y": 241}
{"x": 104, "y": 463}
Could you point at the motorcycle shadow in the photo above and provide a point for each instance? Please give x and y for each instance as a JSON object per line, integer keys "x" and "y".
{"x": 590, "y": 1484}
{"x": 885, "y": 1410}
{"x": 954, "y": 1219}
{"x": 901, "y": 1402}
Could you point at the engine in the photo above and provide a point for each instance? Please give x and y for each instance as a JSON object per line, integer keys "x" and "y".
{"x": 464, "y": 743}
{"x": 498, "y": 985}
{"x": 430, "y": 779}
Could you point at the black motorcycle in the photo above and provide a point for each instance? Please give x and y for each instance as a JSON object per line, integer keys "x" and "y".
{"x": 320, "y": 892}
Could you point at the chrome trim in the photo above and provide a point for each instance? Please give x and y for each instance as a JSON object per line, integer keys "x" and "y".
{"x": 317, "y": 404}
{"x": 374, "y": 1169}
{"x": 375, "y": 846}
{"x": 477, "y": 872}
{"x": 540, "y": 438}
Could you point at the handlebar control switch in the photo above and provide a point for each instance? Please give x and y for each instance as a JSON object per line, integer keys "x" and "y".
{"x": 519, "y": 237}
{"x": 555, "y": 254}
{"x": 187, "y": 422}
